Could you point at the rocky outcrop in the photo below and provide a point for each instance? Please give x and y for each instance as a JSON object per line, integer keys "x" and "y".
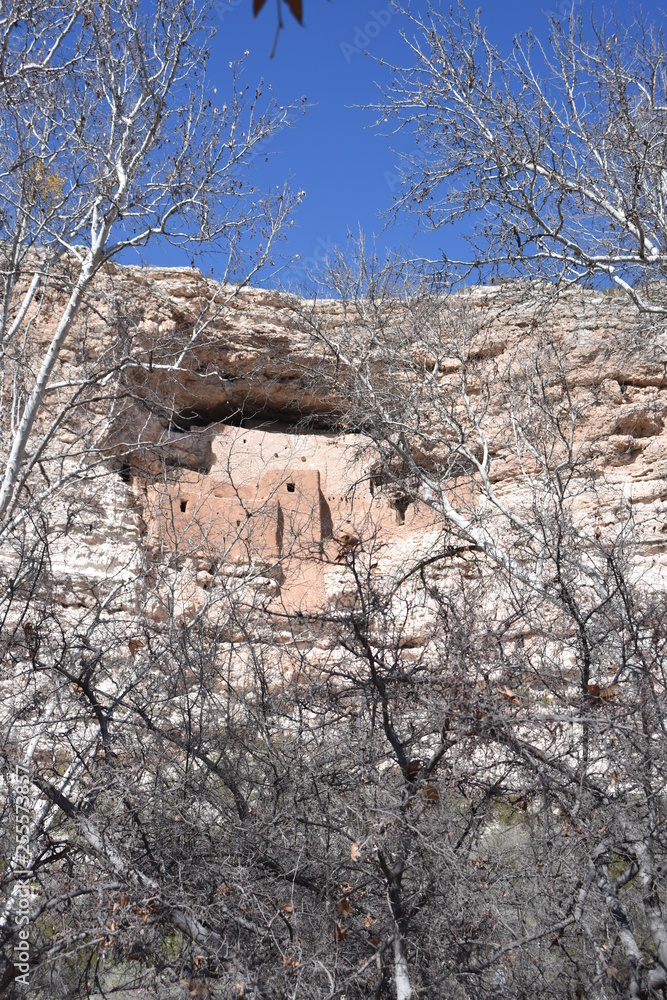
{"x": 230, "y": 446}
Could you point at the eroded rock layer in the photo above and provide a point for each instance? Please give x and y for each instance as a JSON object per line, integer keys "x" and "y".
{"x": 232, "y": 446}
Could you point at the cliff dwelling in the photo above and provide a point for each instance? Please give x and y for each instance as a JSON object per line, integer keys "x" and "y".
{"x": 295, "y": 504}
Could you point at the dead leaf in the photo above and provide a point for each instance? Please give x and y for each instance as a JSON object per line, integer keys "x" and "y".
{"x": 509, "y": 695}
{"x": 340, "y": 932}
{"x": 286, "y": 907}
{"x": 431, "y": 793}
{"x": 412, "y": 769}
{"x": 134, "y": 645}
{"x": 603, "y": 694}
{"x": 296, "y": 6}
{"x": 355, "y": 853}
{"x": 344, "y": 907}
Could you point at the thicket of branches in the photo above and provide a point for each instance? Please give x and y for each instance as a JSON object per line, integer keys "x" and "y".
{"x": 550, "y": 158}
{"x": 450, "y": 781}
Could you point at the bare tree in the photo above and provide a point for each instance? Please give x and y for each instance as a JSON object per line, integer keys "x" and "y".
{"x": 475, "y": 407}
{"x": 551, "y": 157}
{"x": 449, "y": 780}
{"x": 114, "y": 141}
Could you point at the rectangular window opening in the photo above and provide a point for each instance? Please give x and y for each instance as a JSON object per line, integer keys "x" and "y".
{"x": 184, "y": 504}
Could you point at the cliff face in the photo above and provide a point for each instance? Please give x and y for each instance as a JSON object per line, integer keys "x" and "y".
{"x": 227, "y": 450}
{"x": 300, "y": 588}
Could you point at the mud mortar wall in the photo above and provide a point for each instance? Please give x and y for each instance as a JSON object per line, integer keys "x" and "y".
{"x": 293, "y": 502}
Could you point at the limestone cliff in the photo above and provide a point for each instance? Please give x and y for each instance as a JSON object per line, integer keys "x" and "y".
{"x": 232, "y": 445}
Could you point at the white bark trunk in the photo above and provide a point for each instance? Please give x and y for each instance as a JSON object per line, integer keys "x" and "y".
{"x": 401, "y": 975}
{"x": 648, "y": 879}
{"x": 34, "y": 403}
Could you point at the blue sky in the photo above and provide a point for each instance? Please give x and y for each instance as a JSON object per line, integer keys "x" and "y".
{"x": 346, "y": 169}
